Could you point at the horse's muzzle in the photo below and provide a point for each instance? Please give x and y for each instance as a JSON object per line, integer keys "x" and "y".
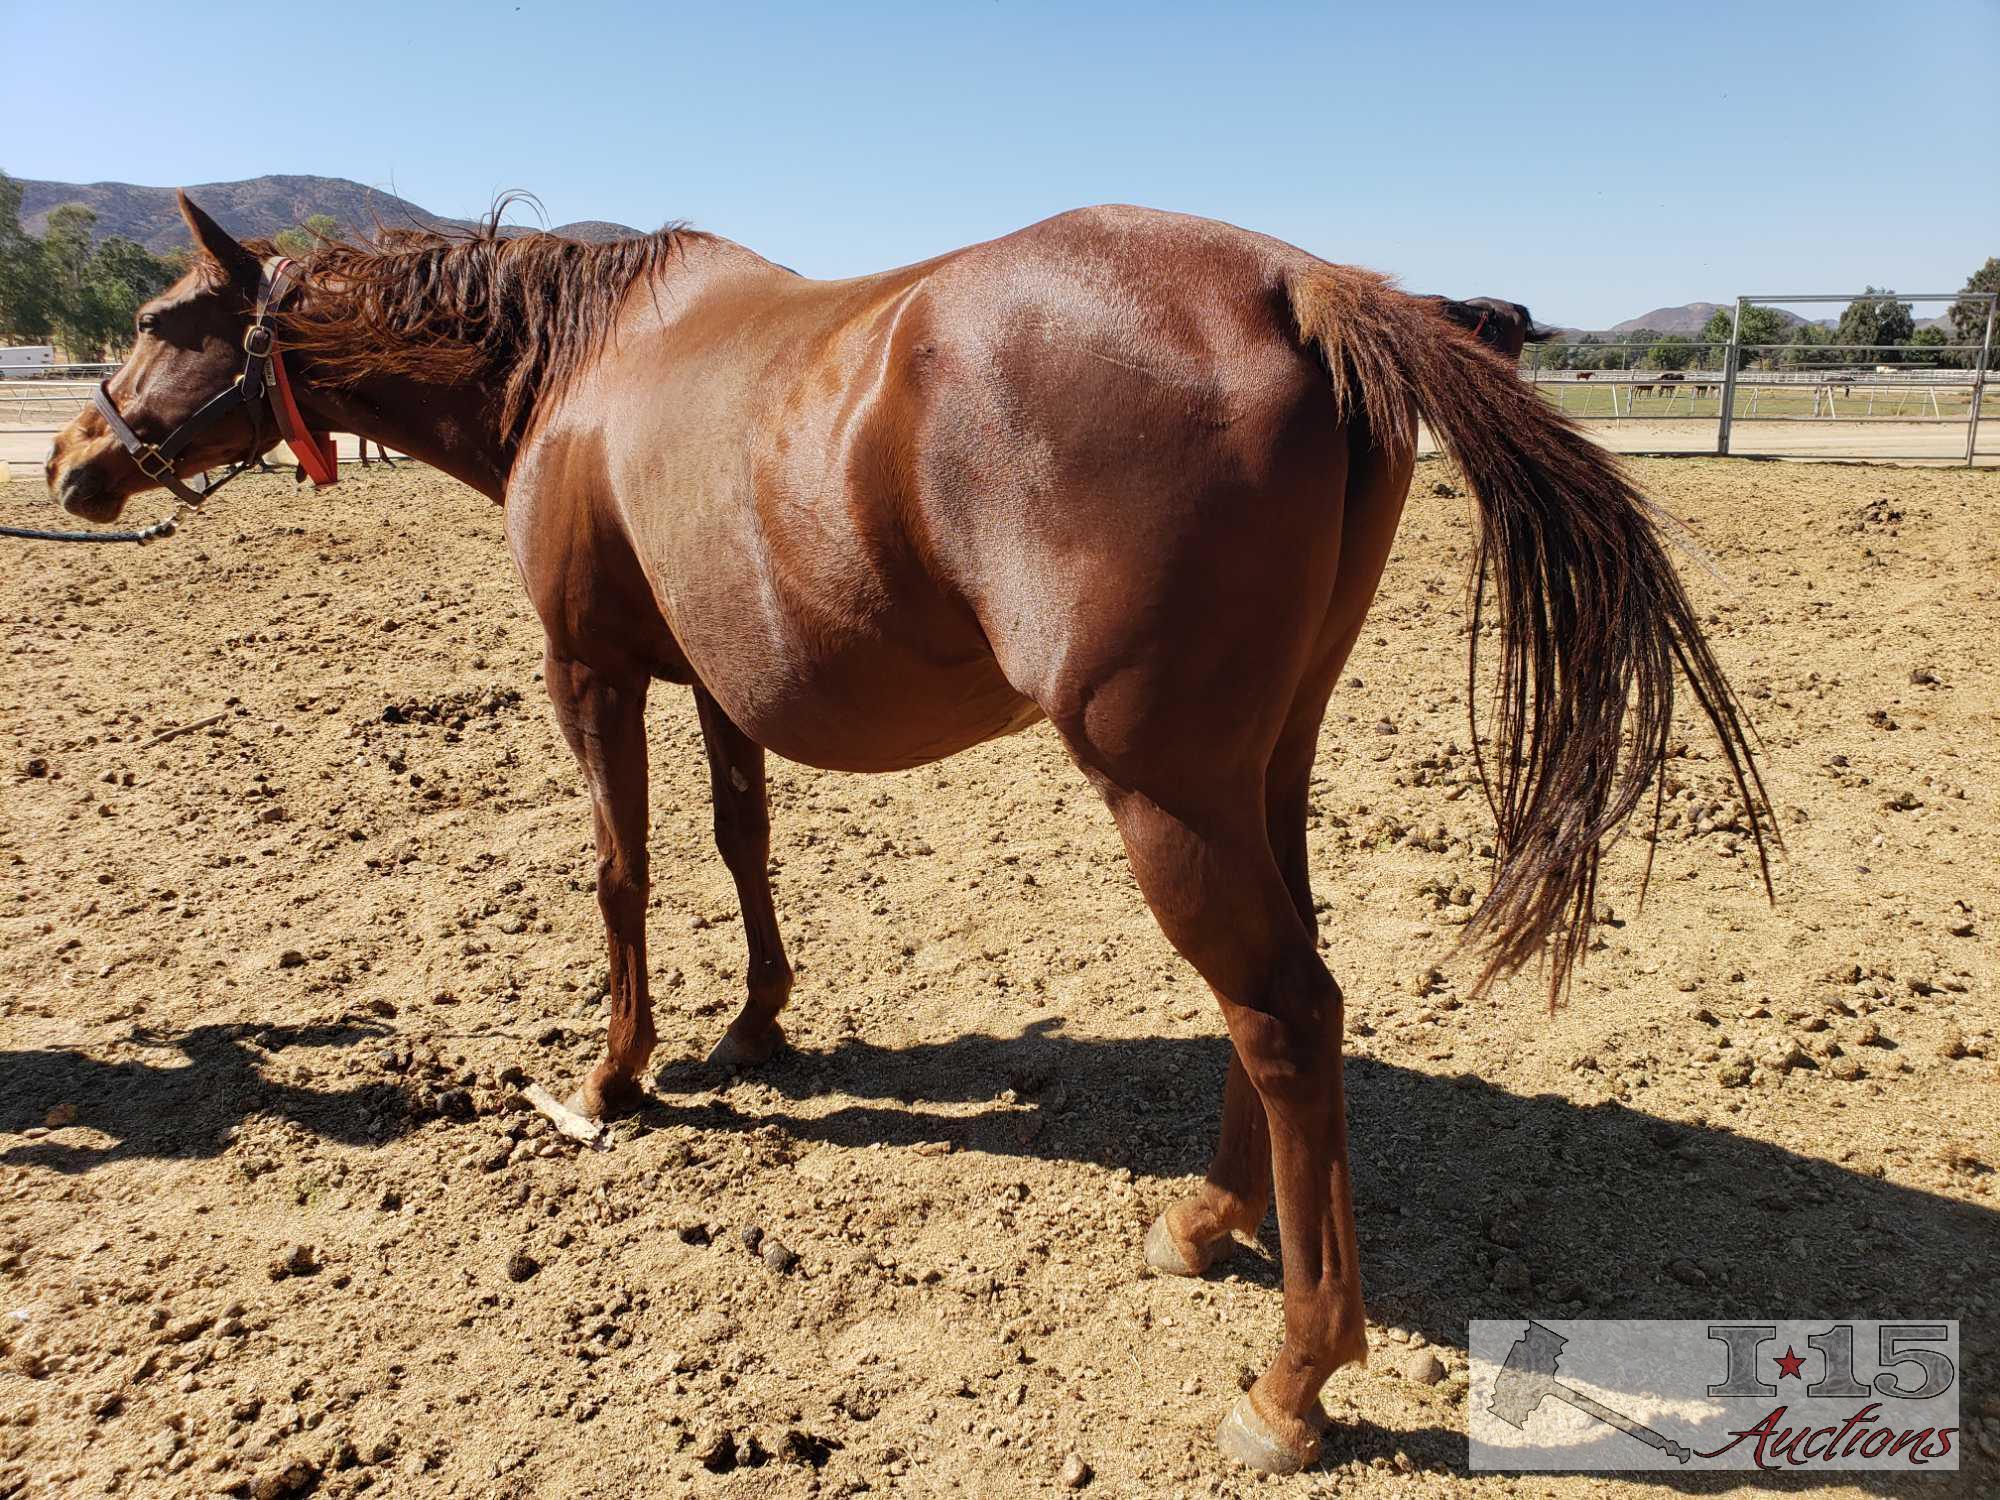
{"x": 81, "y": 475}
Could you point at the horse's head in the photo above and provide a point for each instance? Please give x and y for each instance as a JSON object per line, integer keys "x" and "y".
{"x": 188, "y": 350}
{"x": 1505, "y": 326}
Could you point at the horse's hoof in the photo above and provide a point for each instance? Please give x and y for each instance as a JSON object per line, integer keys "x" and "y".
{"x": 1168, "y": 1254}
{"x": 737, "y": 1051}
{"x": 1283, "y": 1447}
{"x": 607, "y": 1096}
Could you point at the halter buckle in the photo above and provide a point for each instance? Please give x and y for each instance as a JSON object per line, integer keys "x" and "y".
{"x": 257, "y": 341}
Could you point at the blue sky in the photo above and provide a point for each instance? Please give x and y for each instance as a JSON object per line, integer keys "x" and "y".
{"x": 1594, "y": 160}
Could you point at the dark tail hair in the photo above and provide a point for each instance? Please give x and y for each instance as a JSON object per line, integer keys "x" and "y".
{"x": 1593, "y": 620}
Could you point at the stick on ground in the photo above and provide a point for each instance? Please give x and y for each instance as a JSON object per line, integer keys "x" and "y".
{"x": 567, "y": 1120}
{"x": 175, "y": 733}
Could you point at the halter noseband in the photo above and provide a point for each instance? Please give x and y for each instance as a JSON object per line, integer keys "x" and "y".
{"x": 262, "y": 386}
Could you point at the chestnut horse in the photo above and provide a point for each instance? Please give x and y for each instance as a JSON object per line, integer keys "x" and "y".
{"x": 1130, "y": 472}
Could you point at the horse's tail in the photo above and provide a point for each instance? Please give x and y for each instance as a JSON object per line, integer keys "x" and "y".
{"x": 1593, "y": 619}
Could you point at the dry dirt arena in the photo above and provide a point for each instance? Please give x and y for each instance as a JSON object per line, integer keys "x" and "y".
{"x": 273, "y": 1218}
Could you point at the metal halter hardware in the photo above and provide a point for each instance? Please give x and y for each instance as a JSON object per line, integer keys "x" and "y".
{"x": 261, "y": 388}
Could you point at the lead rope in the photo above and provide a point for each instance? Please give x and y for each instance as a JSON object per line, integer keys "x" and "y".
{"x": 165, "y": 527}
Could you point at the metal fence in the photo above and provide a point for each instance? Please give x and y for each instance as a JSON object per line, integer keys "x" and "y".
{"x": 1974, "y": 387}
{"x": 1923, "y": 390}
{"x": 44, "y": 398}
{"x": 56, "y": 372}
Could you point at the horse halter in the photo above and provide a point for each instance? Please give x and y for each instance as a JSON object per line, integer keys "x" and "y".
{"x": 263, "y": 385}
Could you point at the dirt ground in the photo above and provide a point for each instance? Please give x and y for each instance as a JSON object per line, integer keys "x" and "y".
{"x": 272, "y": 1218}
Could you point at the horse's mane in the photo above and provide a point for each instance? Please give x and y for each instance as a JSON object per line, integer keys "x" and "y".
{"x": 520, "y": 314}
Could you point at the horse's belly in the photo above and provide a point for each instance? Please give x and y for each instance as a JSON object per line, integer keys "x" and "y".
{"x": 886, "y": 719}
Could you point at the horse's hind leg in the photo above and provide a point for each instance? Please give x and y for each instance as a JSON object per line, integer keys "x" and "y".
{"x": 1193, "y": 1234}
{"x": 1215, "y": 884}
{"x": 603, "y": 716}
{"x": 743, "y": 834}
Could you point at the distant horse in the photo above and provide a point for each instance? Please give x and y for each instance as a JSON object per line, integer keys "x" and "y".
{"x": 1132, "y": 472}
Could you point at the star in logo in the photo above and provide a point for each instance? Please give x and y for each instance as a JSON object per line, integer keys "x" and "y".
{"x": 1790, "y": 1363}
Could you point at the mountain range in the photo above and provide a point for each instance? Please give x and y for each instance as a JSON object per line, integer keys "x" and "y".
{"x": 258, "y": 206}
{"x": 1692, "y": 317}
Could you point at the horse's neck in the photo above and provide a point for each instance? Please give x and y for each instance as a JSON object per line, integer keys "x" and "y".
{"x": 449, "y": 427}
{"x": 453, "y": 427}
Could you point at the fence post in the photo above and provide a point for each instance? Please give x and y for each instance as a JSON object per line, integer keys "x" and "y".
{"x": 1729, "y": 357}
{"x": 1979, "y": 380}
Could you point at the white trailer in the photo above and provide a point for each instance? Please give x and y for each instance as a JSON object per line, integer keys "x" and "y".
{"x": 26, "y": 359}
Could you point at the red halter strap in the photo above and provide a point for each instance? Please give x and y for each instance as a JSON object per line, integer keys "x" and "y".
{"x": 314, "y": 450}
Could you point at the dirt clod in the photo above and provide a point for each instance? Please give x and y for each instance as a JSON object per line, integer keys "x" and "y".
{"x": 298, "y": 1476}
{"x": 297, "y": 1261}
{"x": 1423, "y": 1367}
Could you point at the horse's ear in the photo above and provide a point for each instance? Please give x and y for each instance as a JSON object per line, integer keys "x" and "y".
{"x": 214, "y": 242}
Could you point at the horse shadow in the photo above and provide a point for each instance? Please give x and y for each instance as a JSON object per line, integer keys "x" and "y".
{"x": 181, "y": 1103}
{"x": 1474, "y": 1202}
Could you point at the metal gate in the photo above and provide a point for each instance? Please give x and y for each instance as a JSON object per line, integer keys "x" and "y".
{"x": 1938, "y": 401}
{"x": 1867, "y": 385}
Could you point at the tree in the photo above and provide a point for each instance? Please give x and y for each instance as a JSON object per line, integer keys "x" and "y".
{"x": 1930, "y": 338}
{"x": 66, "y": 267}
{"x": 64, "y": 288}
{"x": 1968, "y": 319}
{"x": 1671, "y": 351}
{"x": 24, "y": 302}
{"x": 1552, "y": 355}
{"x": 1877, "y": 319}
{"x": 1763, "y": 328}
{"x": 1589, "y": 353}
{"x": 1808, "y": 346}
{"x": 122, "y": 275}
{"x": 301, "y": 240}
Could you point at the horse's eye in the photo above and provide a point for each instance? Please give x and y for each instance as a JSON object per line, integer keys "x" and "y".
{"x": 148, "y": 322}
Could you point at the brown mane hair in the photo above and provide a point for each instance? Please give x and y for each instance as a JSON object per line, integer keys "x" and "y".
{"x": 520, "y": 314}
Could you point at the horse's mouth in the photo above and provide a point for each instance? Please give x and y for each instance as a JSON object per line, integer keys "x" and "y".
{"x": 82, "y": 490}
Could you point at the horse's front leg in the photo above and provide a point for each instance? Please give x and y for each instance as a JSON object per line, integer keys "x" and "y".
{"x": 603, "y": 716}
{"x": 743, "y": 834}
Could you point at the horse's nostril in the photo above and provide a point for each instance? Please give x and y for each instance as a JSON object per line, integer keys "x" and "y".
{"x": 76, "y": 485}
